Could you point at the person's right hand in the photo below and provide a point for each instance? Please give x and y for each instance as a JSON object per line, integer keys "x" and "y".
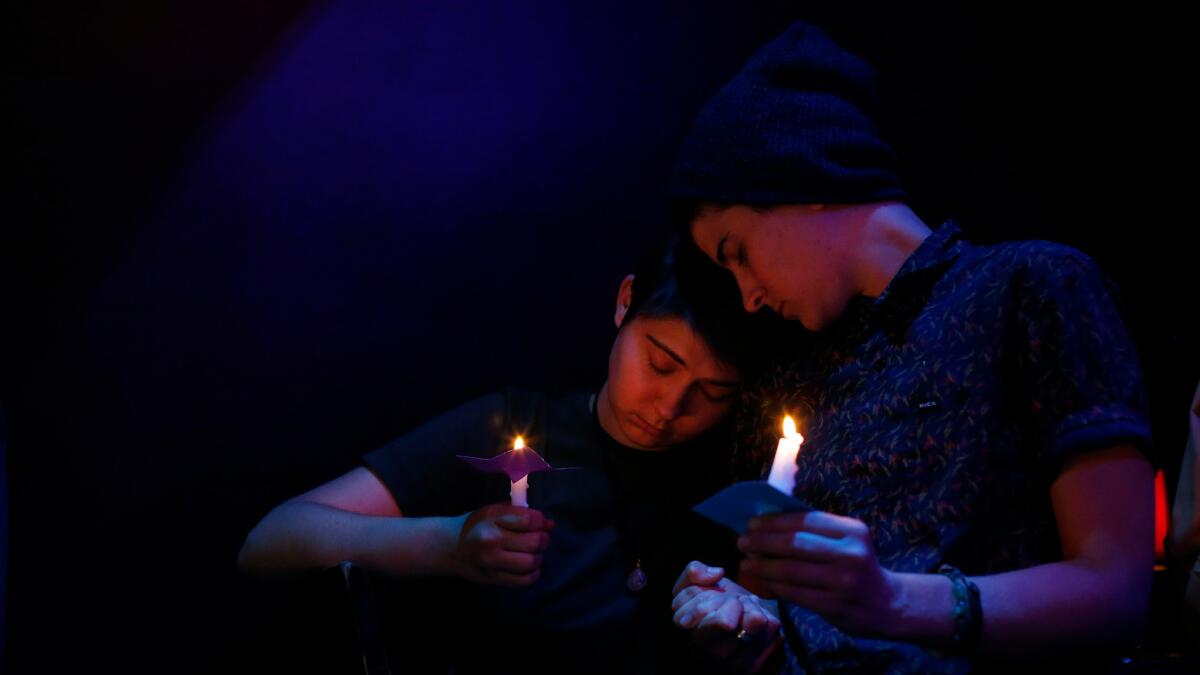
{"x": 502, "y": 544}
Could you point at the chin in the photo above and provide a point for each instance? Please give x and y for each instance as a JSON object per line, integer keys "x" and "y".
{"x": 816, "y": 324}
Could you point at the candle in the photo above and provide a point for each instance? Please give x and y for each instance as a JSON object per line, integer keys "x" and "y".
{"x": 783, "y": 470}
{"x": 520, "y": 488}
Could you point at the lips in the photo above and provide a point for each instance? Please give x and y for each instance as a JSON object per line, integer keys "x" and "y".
{"x": 646, "y": 427}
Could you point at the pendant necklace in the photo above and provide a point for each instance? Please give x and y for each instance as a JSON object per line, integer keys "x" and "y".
{"x": 636, "y": 580}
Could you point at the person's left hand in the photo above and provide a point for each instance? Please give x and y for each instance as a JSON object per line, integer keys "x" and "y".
{"x": 825, "y": 563}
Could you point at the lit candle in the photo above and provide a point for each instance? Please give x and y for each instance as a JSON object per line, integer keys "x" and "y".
{"x": 520, "y": 488}
{"x": 783, "y": 470}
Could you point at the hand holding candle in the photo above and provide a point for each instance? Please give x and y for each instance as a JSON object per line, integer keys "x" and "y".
{"x": 499, "y": 543}
{"x": 783, "y": 470}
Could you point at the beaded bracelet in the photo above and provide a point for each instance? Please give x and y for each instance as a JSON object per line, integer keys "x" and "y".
{"x": 968, "y": 612}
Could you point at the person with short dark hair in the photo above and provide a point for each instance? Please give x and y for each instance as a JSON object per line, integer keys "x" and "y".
{"x": 975, "y": 423}
{"x": 580, "y": 580}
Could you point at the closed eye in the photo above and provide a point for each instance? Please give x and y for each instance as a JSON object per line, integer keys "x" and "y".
{"x": 718, "y": 399}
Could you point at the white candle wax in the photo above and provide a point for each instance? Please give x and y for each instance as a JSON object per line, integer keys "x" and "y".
{"x": 783, "y": 469}
{"x": 520, "y": 492}
{"x": 520, "y": 488}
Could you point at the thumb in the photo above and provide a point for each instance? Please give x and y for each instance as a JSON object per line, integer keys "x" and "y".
{"x": 698, "y": 574}
{"x": 704, "y": 575}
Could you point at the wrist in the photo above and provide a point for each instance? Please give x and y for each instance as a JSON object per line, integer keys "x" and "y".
{"x": 968, "y": 611}
{"x": 445, "y": 555}
{"x": 417, "y": 546}
{"x": 922, "y": 609}
{"x": 771, "y": 660}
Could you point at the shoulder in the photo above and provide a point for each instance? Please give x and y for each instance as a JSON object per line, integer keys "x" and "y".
{"x": 1037, "y": 261}
{"x": 1027, "y": 275}
{"x": 1031, "y": 259}
{"x": 471, "y": 422}
{"x": 482, "y": 411}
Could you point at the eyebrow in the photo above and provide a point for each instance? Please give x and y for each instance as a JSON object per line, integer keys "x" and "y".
{"x": 666, "y": 349}
{"x": 721, "y": 250}
{"x": 673, "y": 355}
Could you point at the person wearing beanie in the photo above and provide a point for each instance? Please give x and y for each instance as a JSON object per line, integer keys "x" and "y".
{"x": 976, "y": 447}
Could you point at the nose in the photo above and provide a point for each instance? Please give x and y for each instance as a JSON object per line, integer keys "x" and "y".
{"x": 753, "y": 295}
{"x": 670, "y": 403}
{"x": 753, "y": 299}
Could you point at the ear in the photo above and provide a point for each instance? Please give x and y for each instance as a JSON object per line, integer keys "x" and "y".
{"x": 624, "y": 297}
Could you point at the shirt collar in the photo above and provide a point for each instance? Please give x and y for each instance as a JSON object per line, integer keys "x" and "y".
{"x": 931, "y": 258}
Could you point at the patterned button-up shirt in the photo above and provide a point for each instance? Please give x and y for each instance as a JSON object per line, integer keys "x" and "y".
{"x": 940, "y": 412}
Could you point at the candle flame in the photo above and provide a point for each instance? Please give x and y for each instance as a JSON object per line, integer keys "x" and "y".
{"x": 518, "y": 443}
{"x": 789, "y": 427}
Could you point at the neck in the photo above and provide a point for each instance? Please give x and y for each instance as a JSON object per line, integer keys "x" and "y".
{"x": 604, "y": 413}
{"x": 888, "y": 233}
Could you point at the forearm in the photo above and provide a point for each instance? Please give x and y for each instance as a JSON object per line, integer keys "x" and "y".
{"x": 1032, "y": 611}
{"x": 1098, "y": 596}
{"x": 300, "y": 536}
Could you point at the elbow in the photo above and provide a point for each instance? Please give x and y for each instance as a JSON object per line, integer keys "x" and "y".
{"x": 260, "y": 554}
{"x": 249, "y": 557}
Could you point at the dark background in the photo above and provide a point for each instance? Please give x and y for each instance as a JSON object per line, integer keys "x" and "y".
{"x": 249, "y": 241}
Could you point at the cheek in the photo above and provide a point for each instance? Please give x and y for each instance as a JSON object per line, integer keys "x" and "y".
{"x": 715, "y": 412}
{"x": 625, "y": 377}
{"x": 707, "y": 415}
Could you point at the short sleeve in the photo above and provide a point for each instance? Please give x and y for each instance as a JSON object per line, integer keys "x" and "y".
{"x": 422, "y": 469}
{"x": 1084, "y": 382}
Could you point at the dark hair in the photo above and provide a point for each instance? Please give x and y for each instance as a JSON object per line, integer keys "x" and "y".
{"x": 675, "y": 280}
{"x": 685, "y": 211}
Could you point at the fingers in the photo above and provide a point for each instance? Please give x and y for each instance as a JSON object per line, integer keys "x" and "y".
{"x": 757, "y": 619}
{"x": 718, "y": 632}
{"x": 512, "y": 563}
{"x": 697, "y": 605}
{"x": 684, "y": 596}
{"x": 728, "y": 623}
{"x": 723, "y": 585}
{"x": 724, "y": 617}
{"x": 821, "y": 601}
{"x": 791, "y": 544}
{"x": 702, "y": 606}
{"x": 525, "y": 542}
{"x": 520, "y": 519}
{"x": 793, "y": 572}
{"x": 816, "y": 522}
{"x": 692, "y": 607}
{"x": 697, "y": 574}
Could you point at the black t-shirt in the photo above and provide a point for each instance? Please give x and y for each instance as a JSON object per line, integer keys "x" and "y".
{"x": 616, "y": 507}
